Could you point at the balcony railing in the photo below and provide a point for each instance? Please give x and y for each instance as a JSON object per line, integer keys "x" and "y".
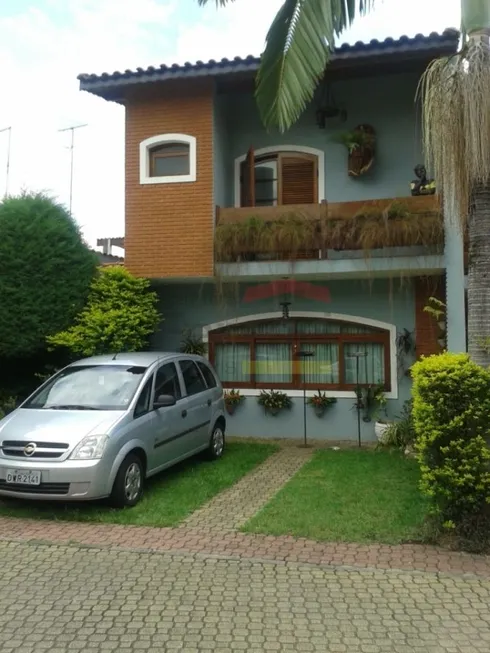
{"x": 311, "y": 230}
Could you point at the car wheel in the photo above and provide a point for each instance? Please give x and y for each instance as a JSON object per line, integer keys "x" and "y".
{"x": 128, "y": 486}
{"x": 216, "y": 443}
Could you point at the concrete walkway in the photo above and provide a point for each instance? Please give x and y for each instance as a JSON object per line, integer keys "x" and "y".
{"x": 234, "y": 507}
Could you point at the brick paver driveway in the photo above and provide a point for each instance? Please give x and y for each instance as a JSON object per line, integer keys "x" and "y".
{"x": 62, "y": 598}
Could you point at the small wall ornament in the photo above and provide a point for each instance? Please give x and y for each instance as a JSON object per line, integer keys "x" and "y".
{"x": 422, "y": 185}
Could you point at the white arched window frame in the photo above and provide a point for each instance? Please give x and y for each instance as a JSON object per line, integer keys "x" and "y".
{"x": 320, "y": 154}
{"x": 332, "y": 317}
{"x": 166, "y": 139}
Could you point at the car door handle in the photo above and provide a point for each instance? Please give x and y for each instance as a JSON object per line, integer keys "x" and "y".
{"x": 184, "y": 413}
{"x": 209, "y": 402}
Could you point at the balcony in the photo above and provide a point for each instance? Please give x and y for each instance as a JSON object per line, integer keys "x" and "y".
{"x": 371, "y": 228}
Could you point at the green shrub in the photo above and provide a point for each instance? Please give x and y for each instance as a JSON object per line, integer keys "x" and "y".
{"x": 401, "y": 433}
{"x": 451, "y": 412}
{"x": 45, "y": 273}
{"x": 121, "y": 314}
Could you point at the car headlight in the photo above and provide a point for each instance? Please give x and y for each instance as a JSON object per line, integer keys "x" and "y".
{"x": 90, "y": 448}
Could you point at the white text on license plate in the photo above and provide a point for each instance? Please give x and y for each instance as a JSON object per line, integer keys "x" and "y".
{"x": 22, "y": 477}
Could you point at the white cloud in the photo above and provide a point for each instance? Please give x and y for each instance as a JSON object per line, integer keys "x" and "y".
{"x": 44, "y": 47}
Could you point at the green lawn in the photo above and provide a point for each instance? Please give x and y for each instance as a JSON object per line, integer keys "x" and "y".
{"x": 169, "y": 497}
{"x": 349, "y": 496}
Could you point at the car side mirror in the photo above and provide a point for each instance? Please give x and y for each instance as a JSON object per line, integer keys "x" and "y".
{"x": 164, "y": 401}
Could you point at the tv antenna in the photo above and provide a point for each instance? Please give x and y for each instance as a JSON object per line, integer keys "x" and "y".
{"x": 71, "y": 147}
{"x": 9, "y": 130}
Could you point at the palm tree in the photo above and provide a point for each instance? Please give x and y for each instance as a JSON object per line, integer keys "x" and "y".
{"x": 455, "y": 93}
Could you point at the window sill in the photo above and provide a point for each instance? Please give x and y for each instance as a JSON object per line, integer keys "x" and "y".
{"x": 339, "y": 394}
{"x": 177, "y": 179}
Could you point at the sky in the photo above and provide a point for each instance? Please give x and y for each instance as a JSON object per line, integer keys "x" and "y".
{"x": 45, "y": 44}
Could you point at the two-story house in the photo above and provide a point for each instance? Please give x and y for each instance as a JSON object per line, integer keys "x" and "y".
{"x": 268, "y": 245}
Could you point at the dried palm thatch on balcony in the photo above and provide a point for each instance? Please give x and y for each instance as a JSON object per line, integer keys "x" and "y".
{"x": 293, "y": 235}
{"x": 395, "y": 226}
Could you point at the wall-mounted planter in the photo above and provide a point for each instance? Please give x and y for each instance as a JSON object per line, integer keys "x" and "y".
{"x": 361, "y": 144}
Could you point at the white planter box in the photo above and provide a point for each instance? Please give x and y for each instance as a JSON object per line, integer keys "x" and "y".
{"x": 380, "y": 430}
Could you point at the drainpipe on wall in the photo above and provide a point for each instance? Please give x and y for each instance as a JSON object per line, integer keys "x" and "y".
{"x": 455, "y": 279}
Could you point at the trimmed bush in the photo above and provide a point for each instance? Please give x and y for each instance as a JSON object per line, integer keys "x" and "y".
{"x": 451, "y": 412}
{"x": 45, "y": 273}
{"x": 121, "y": 314}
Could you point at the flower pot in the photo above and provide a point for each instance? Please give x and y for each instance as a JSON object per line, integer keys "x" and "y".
{"x": 380, "y": 431}
{"x": 273, "y": 411}
{"x": 319, "y": 410}
{"x": 230, "y": 408}
{"x": 441, "y": 342}
{"x": 442, "y": 325}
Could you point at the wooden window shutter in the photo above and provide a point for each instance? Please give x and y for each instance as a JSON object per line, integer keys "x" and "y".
{"x": 248, "y": 180}
{"x": 299, "y": 179}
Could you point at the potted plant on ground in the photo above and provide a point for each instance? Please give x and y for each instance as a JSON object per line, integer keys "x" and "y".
{"x": 233, "y": 399}
{"x": 321, "y": 403}
{"x": 381, "y": 424}
{"x": 273, "y": 401}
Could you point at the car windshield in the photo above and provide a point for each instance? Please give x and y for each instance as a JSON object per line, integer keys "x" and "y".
{"x": 89, "y": 387}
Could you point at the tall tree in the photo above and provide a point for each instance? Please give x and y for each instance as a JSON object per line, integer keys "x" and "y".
{"x": 45, "y": 273}
{"x": 455, "y": 93}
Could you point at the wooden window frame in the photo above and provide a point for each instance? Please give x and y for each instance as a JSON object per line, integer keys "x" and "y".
{"x": 147, "y": 152}
{"x": 295, "y": 339}
{"x": 247, "y": 174}
{"x": 154, "y": 154}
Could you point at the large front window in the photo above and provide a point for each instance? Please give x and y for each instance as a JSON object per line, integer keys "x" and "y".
{"x": 340, "y": 355}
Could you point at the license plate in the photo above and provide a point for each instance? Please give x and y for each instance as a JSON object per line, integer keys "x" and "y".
{"x": 23, "y": 477}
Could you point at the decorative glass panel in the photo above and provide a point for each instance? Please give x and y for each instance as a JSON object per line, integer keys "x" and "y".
{"x": 277, "y": 327}
{"x": 232, "y": 362}
{"x": 371, "y": 363}
{"x": 323, "y": 367}
{"x": 273, "y": 363}
{"x": 318, "y": 327}
{"x": 357, "y": 328}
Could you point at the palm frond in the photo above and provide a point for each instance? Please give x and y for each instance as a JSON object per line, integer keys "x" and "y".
{"x": 298, "y": 47}
{"x": 455, "y": 94}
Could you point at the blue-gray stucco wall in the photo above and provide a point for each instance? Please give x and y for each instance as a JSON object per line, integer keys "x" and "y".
{"x": 387, "y": 103}
{"x": 192, "y": 306}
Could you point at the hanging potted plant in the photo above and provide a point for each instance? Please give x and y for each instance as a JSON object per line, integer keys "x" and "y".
{"x": 273, "y": 401}
{"x": 233, "y": 399}
{"x": 360, "y": 143}
{"x": 321, "y": 403}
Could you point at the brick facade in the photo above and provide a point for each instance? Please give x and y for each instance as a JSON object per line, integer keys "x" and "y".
{"x": 426, "y": 328}
{"x": 169, "y": 227}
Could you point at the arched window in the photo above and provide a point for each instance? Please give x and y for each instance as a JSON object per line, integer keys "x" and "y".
{"x": 278, "y": 177}
{"x": 167, "y": 159}
{"x": 265, "y": 354}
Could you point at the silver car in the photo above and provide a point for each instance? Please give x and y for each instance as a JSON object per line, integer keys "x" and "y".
{"x": 100, "y": 426}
